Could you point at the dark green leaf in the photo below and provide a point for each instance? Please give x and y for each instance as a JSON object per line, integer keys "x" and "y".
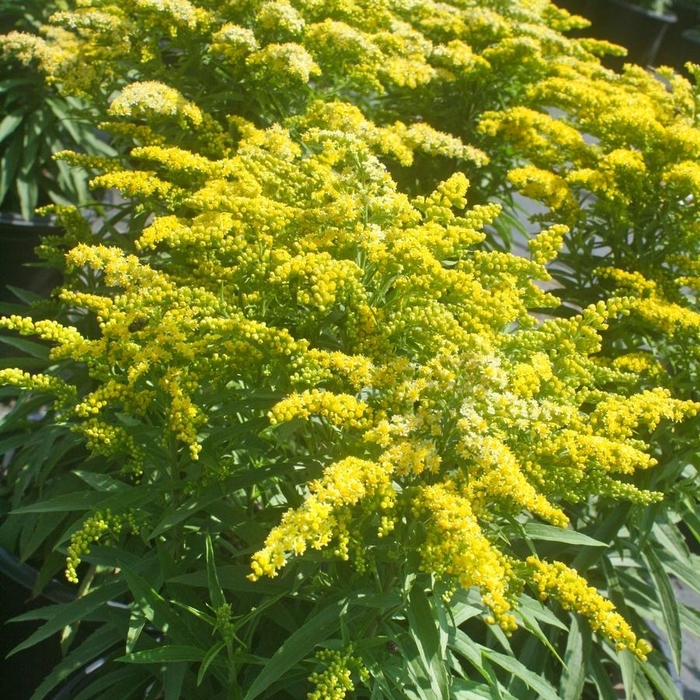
{"x": 92, "y": 648}
{"x": 102, "y": 482}
{"x": 578, "y": 648}
{"x": 79, "y": 500}
{"x": 9, "y": 124}
{"x": 298, "y": 646}
{"x": 173, "y": 677}
{"x": 669, "y": 607}
{"x": 9, "y": 166}
{"x": 125, "y": 680}
{"x": 60, "y": 616}
{"x": 423, "y": 628}
{"x": 208, "y": 659}
{"x": 165, "y": 654}
{"x": 462, "y": 644}
{"x": 233, "y": 578}
{"x": 216, "y": 595}
{"x": 156, "y": 609}
{"x": 601, "y": 679}
{"x": 656, "y": 671}
{"x": 532, "y": 680}
{"x": 538, "y": 531}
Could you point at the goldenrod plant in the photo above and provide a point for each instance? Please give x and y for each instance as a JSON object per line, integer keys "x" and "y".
{"x": 37, "y": 121}
{"x": 297, "y": 424}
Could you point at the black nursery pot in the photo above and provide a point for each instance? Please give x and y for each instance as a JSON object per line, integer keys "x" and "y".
{"x": 680, "y": 50}
{"x": 18, "y": 239}
{"x": 585, "y": 8}
{"x": 639, "y": 30}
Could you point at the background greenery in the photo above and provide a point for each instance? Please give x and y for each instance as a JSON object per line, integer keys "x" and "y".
{"x": 294, "y": 184}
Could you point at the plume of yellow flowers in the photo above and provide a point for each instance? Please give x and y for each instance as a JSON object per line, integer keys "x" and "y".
{"x": 281, "y": 256}
{"x": 405, "y": 356}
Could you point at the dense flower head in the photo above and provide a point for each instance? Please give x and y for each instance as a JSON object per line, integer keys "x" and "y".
{"x": 572, "y": 591}
{"x": 384, "y": 331}
{"x": 307, "y": 267}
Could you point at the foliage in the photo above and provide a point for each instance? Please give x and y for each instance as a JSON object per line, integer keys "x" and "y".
{"x": 296, "y": 423}
{"x": 659, "y": 6}
{"x": 37, "y": 121}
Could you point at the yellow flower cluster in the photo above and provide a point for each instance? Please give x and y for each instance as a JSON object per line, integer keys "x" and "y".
{"x": 432, "y": 406}
{"x": 92, "y": 530}
{"x": 41, "y": 383}
{"x": 456, "y": 546}
{"x": 573, "y": 592}
{"x": 146, "y": 99}
{"x": 334, "y": 682}
{"x": 286, "y": 262}
{"x": 342, "y": 410}
{"x": 287, "y": 62}
{"x": 323, "y": 517}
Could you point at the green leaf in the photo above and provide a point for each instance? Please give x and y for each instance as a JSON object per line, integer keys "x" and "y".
{"x": 233, "y": 578}
{"x": 46, "y": 523}
{"x": 156, "y": 609}
{"x": 9, "y": 124}
{"x": 532, "y": 680}
{"x": 538, "y": 531}
{"x": 96, "y": 644}
{"x": 298, "y": 646}
{"x": 629, "y": 668}
{"x": 173, "y": 677}
{"x": 606, "y": 531}
{"x": 425, "y": 632}
{"x": 462, "y": 644}
{"x": 60, "y": 616}
{"x": 532, "y": 657}
{"x": 28, "y": 193}
{"x": 243, "y": 479}
{"x": 137, "y": 621}
{"x": 216, "y": 595}
{"x": 527, "y": 605}
{"x": 194, "y": 505}
{"x": 27, "y": 297}
{"x": 27, "y": 346}
{"x": 471, "y": 690}
{"x": 79, "y": 500}
{"x": 9, "y": 166}
{"x": 102, "y": 482}
{"x": 658, "y": 674}
{"x": 578, "y": 649}
{"x": 669, "y": 607}
{"x": 684, "y": 572}
{"x": 601, "y": 679}
{"x": 173, "y": 653}
{"x": 208, "y": 659}
{"x": 125, "y": 680}
{"x": 691, "y": 518}
{"x": 382, "y": 601}
{"x": 531, "y": 624}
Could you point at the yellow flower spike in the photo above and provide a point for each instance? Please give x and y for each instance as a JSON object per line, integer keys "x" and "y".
{"x": 147, "y": 99}
{"x": 180, "y": 12}
{"x": 546, "y": 245}
{"x": 341, "y": 410}
{"x": 41, "y": 383}
{"x": 573, "y": 592}
{"x": 315, "y": 523}
{"x": 234, "y": 42}
{"x": 280, "y": 18}
{"x": 287, "y": 63}
{"x": 92, "y": 530}
{"x": 456, "y": 547}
